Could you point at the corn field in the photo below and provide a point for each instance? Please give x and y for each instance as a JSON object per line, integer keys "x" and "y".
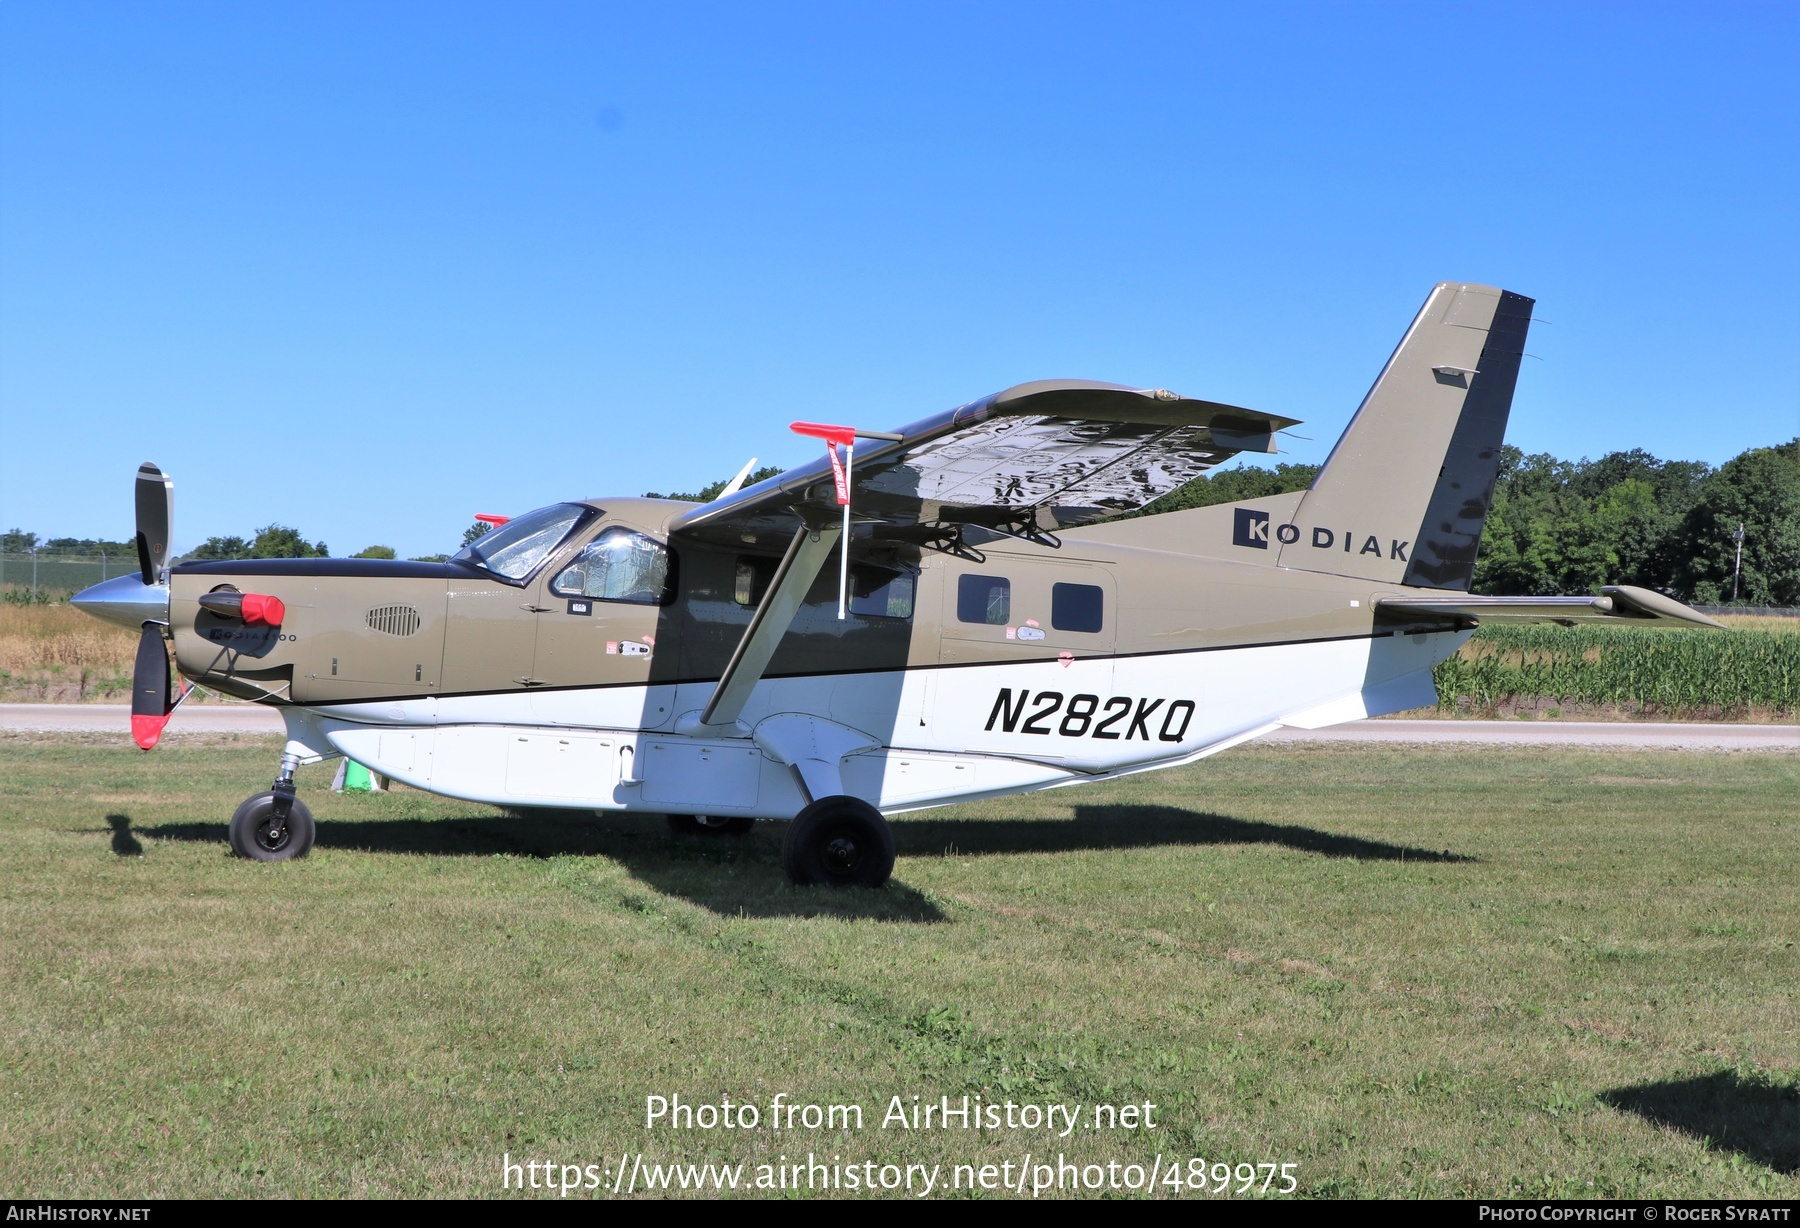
{"x": 45, "y": 637}
{"x": 1671, "y": 672}
{"x": 55, "y": 652}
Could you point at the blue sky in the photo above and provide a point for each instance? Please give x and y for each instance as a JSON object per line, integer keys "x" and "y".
{"x": 368, "y": 269}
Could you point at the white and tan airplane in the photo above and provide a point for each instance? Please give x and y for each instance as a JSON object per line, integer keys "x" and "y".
{"x": 988, "y": 631}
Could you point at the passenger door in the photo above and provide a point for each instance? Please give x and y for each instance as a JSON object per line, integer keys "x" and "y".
{"x": 1018, "y": 609}
{"x": 1052, "y": 626}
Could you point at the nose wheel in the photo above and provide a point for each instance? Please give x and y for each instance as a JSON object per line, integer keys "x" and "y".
{"x": 261, "y": 832}
{"x": 273, "y": 825}
{"x": 838, "y": 842}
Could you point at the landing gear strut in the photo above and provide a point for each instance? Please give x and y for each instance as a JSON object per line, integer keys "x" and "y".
{"x": 839, "y": 842}
{"x": 273, "y": 825}
{"x": 709, "y": 825}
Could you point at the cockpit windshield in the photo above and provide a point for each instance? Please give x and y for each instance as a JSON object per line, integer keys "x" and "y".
{"x": 516, "y": 548}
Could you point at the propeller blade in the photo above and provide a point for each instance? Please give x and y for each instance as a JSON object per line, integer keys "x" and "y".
{"x": 155, "y": 515}
{"x": 151, "y": 686}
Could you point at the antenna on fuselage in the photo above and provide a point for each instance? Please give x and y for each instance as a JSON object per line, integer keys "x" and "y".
{"x": 736, "y": 484}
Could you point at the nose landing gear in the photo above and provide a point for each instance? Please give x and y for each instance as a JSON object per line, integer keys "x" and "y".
{"x": 273, "y": 825}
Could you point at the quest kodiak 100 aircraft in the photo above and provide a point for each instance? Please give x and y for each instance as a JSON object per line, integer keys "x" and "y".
{"x": 921, "y": 623}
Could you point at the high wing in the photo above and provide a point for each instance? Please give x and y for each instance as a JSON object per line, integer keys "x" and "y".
{"x": 1022, "y": 463}
{"x": 1620, "y": 603}
{"x": 1025, "y": 462}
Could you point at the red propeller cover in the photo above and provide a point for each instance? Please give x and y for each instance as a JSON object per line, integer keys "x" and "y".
{"x": 261, "y": 611}
{"x": 146, "y": 730}
{"x": 845, "y": 435}
{"x": 150, "y": 687}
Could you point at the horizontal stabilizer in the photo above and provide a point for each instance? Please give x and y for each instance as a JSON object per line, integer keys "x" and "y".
{"x": 1620, "y": 603}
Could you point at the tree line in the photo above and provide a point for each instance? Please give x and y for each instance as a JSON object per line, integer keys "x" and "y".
{"x": 272, "y": 541}
{"x": 18, "y": 541}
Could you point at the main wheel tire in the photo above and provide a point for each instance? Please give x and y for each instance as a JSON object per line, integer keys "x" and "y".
{"x": 709, "y": 825}
{"x": 250, "y": 830}
{"x": 838, "y": 842}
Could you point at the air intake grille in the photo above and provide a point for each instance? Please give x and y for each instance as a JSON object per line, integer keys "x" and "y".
{"x": 394, "y": 619}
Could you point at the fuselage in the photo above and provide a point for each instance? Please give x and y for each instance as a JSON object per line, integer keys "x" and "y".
{"x": 1026, "y": 667}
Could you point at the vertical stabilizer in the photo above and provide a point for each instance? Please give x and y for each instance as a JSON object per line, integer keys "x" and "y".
{"x": 1404, "y": 495}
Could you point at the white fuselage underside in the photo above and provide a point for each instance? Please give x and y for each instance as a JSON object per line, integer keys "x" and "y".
{"x": 944, "y": 734}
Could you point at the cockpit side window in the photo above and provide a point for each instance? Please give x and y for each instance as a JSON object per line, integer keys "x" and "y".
{"x": 514, "y": 550}
{"x": 620, "y": 565}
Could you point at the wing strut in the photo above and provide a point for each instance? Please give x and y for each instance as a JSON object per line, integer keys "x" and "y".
{"x": 799, "y": 568}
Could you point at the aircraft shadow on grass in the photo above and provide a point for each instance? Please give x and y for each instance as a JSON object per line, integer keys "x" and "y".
{"x": 1132, "y": 827}
{"x": 742, "y": 876}
{"x": 123, "y": 842}
{"x": 1758, "y": 1120}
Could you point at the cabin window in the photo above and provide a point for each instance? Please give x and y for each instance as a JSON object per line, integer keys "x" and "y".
{"x": 619, "y": 565}
{"x": 753, "y": 579}
{"x": 514, "y": 550}
{"x": 876, "y": 592}
{"x": 1077, "y": 607}
{"x": 984, "y": 599}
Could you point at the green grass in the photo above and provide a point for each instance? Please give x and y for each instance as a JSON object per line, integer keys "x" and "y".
{"x": 1412, "y": 972}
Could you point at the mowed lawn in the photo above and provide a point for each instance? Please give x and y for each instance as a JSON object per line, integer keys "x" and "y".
{"x": 1440, "y": 971}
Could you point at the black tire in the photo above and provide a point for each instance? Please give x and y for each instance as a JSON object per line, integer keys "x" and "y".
{"x": 709, "y": 825}
{"x": 250, "y": 830}
{"x": 838, "y": 842}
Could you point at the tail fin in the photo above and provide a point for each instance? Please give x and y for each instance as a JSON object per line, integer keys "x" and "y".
{"x": 1404, "y": 494}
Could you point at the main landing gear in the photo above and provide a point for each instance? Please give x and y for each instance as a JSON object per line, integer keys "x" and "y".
{"x": 273, "y": 825}
{"x": 835, "y": 842}
{"x": 838, "y": 842}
